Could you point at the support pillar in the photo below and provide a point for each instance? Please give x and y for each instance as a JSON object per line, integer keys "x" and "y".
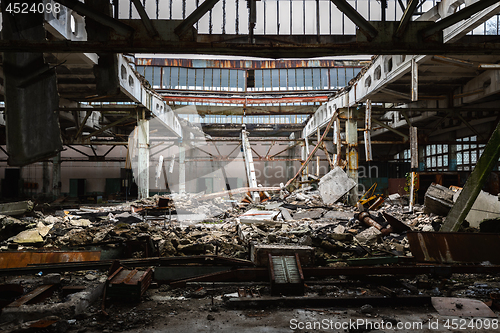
{"x": 249, "y": 166}
{"x": 474, "y": 183}
{"x": 31, "y": 98}
{"x": 56, "y": 176}
{"x": 182, "y": 167}
{"x": 45, "y": 178}
{"x": 352, "y": 152}
{"x": 143, "y": 162}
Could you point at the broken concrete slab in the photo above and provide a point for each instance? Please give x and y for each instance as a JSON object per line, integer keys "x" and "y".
{"x": 27, "y": 237}
{"x": 438, "y": 200}
{"x": 80, "y": 223}
{"x": 285, "y": 213}
{"x": 485, "y": 207}
{"x": 259, "y": 253}
{"x": 334, "y": 185}
{"x": 315, "y": 213}
{"x": 368, "y": 236}
{"x": 43, "y": 229}
{"x": 16, "y": 208}
{"x": 259, "y": 216}
{"x": 338, "y": 215}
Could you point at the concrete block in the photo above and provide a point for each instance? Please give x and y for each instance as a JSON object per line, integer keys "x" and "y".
{"x": 438, "y": 200}
{"x": 368, "y": 236}
{"x": 259, "y": 216}
{"x": 334, "y": 185}
{"x": 53, "y": 278}
{"x": 485, "y": 207}
{"x": 16, "y": 208}
{"x": 259, "y": 253}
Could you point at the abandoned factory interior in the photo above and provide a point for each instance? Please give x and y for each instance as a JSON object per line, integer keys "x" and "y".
{"x": 249, "y": 165}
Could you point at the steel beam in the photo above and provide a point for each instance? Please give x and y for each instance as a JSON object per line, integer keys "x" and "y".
{"x": 378, "y": 122}
{"x": 195, "y": 16}
{"x": 458, "y": 16}
{"x": 106, "y": 20}
{"x": 264, "y": 49}
{"x": 145, "y": 19}
{"x": 406, "y": 19}
{"x": 365, "y": 27}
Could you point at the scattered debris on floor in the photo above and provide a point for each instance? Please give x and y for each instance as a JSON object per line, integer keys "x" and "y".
{"x": 171, "y": 248}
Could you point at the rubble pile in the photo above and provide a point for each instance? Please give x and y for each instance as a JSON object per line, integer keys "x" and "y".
{"x": 299, "y": 218}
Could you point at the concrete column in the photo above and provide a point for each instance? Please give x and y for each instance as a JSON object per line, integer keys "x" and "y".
{"x": 45, "y": 177}
{"x": 56, "y": 176}
{"x": 143, "y": 162}
{"x": 352, "y": 152}
{"x": 182, "y": 168}
{"x": 474, "y": 183}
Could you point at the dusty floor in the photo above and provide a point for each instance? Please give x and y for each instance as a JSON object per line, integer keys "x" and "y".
{"x": 201, "y": 316}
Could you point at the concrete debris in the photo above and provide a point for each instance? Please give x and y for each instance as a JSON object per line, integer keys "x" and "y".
{"x": 486, "y": 206}
{"x": 438, "y": 200}
{"x": 16, "y": 208}
{"x": 334, "y": 185}
{"x": 368, "y": 236}
{"x": 322, "y": 232}
{"x": 30, "y": 236}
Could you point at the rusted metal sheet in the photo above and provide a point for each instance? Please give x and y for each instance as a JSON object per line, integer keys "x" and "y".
{"x": 35, "y": 296}
{"x": 23, "y": 259}
{"x": 396, "y": 224}
{"x": 128, "y": 284}
{"x": 244, "y": 64}
{"x": 455, "y": 247}
{"x": 244, "y": 100}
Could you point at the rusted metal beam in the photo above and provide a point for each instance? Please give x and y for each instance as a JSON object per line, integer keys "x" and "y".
{"x": 82, "y": 125}
{"x": 102, "y": 129}
{"x": 106, "y": 20}
{"x": 35, "y": 296}
{"x": 245, "y": 100}
{"x": 455, "y": 247}
{"x": 238, "y": 191}
{"x": 308, "y": 159}
{"x": 378, "y": 122}
{"x": 24, "y": 258}
{"x": 197, "y": 14}
{"x": 245, "y": 64}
